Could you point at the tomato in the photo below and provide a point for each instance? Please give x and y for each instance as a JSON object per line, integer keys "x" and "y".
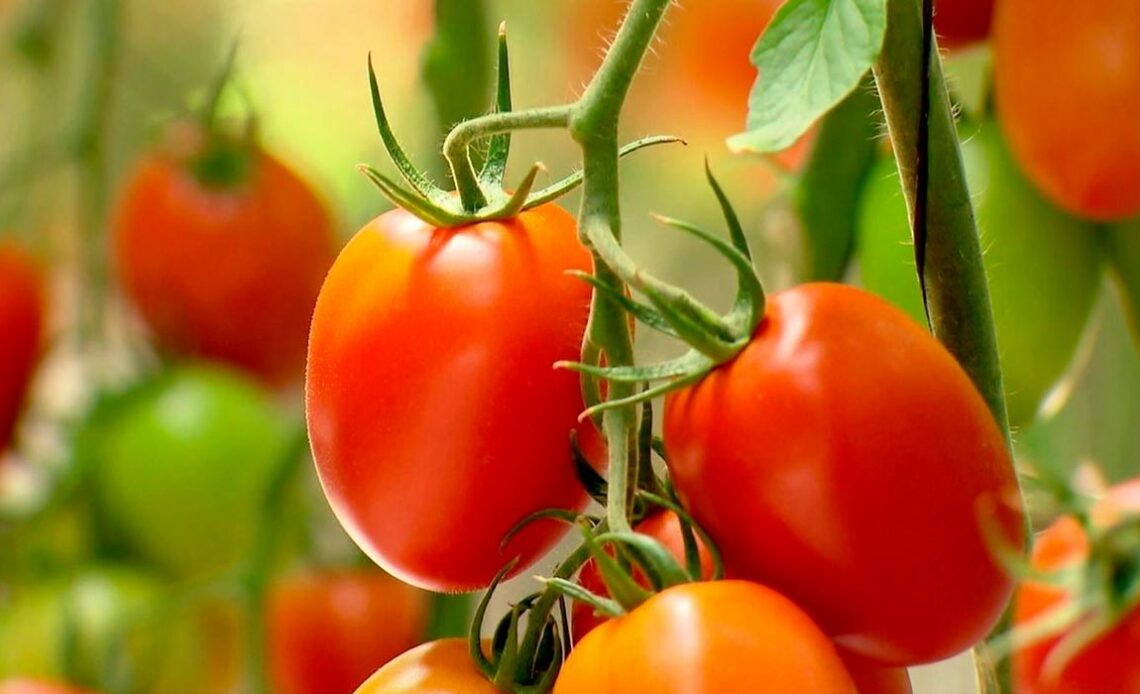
{"x": 960, "y": 23}
{"x": 662, "y": 526}
{"x": 98, "y": 623}
{"x": 36, "y": 687}
{"x": 437, "y": 421}
{"x": 1028, "y": 245}
{"x": 872, "y": 678}
{"x": 845, "y": 459}
{"x": 722, "y": 636}
{"x": 1109, "y": 664}
{"x": 226, "y": 272}
{"x": 181, "y": 464}
{"x": 1067, "y": 83}
{"x": 22, "y": 325}
{"x": 328, "y": 632}
{"x": 439, "y": 667}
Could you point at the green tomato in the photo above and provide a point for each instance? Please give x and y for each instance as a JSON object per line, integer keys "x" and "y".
{"x": 105, "y": 627}
{"x": 1043, "y": 266}
{"x": 182, "y": 464}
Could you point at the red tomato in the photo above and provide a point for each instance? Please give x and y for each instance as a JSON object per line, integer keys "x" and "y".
{"x": 1110, "y": 664}
{"x": 227, "y": 272}
{"x": 37, "y": 687}
{"x": 329, "y": 632}
{"x": 845, "y": 459}
{"x": 437, "y": 421}
{"x": 1067, "y": 81}
{"x": 960, "y": 23}
{"x": 439, "y": 667}
{"x": 721, "y": 636}
{"x": 662, "y": 526}
{"x": 872, "y": 678}
{"x": 21, "y": 324}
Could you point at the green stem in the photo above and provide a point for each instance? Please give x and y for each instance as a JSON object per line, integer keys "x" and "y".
{"x": 954, "y": 278}
{"x": 92, "y": 161}
{"x": 456, "y": 146}
{"x": 594, "y": 125}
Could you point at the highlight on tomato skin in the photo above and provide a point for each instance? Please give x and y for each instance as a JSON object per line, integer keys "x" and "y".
{"x": 22, "y": 307}
{"x": 1067, "y": 88}
{"x": 224, "y": 270}
{"x": 329, "y": 631}
{"x": 832, "y": 476}
{"x": 718, "y": 636}
{"x": 441, "y": 667}
{"x": 462, "y": 325}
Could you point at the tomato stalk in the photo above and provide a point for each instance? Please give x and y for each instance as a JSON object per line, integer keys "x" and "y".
{"x": 920, "y": 120}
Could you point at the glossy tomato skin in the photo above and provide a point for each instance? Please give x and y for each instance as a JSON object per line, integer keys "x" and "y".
{"x": 1028, "y": 245}
{"x": 22, "y": 326}
{"x": 181, "y": 464}
{"x": 721, "y": 636}
{"x": 436, "y": 417}
{"x": 844, "y": 458}
{"x": 1067, "y": 84}
{"x": 225, "y": 272}
{"x": 1109, "y": 664}
{"x": 23, "y": 686}
{"x": 662, "y": 526}
{"x": 328, "y": 632}
{"x": 439, "y": 667}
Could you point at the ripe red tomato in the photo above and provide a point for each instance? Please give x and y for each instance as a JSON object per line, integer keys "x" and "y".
{"x": 228, "y": 272}
{"x": 329, "y": 632}
{"x": 439, "y": 667}
{"x": 1109, "y": 664}
{"x": 721, "y": 636}
{"x": 960, "y": 23}
{"x": 21, "y": 324}
{"x": 436, "y": 419}
{"x": 1067, "y": 81}
{"x": 662, "y": 526}
{"x": 845, "y": 459}
{"x": 37, "y": 687}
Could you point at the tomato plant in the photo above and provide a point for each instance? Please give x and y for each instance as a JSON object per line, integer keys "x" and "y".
{"x": 453, "y": 426}
{"x": 718, "y": 636}
{"x": 102, "y": 624}
{"x": 662, "y": 526}
{"x": 223, "y": 253}
{"x": 330, "y": 631}
{"x": 1029, "y": 244}
{"x": 1067, "y": 83}
{"x": 181, "y": 463}
{"x": 440, "y": 667}
{"x": 845, "y": 447}
{"x": 1106, "y": 664}
{"x": 22, "y": 325}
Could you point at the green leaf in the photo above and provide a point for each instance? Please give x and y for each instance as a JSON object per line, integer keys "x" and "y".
{"x": 813, "y": 54}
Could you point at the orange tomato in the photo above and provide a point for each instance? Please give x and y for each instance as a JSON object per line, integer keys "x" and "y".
{"x": 722, "y": 636}
{"x": 224, "y": 271}
{"x": 1067, "y": 82}
{"x": 328, "y": 632}
{"x": 21, "y": 325}
{"x": 439, "y": 667}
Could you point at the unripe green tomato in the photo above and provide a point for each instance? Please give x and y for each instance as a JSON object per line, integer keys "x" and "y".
{"x": 102, "y": 626}
{"x": 181, "y": 466}
{"x": 1043, "y": 266}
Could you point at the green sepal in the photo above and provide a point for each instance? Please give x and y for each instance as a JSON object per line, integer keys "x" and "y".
{"x": 574, "y": 591}
{"x": 647, "y": 315}
{"x": 558, "y": 514}
{"x": 499, "y": 148}
{"x": 415, "y": 178}
{"x": 595, "y": 485}
{"x": 655, "y": 561}
{"x": 617, "y": 580}
{"x": 475, "y": 634}
{"x": 688, "y": 526}
{"x": 564, "y": 186}
{"x": 689, "y": 363}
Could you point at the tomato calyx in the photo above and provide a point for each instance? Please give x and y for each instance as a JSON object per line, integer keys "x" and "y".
{"x": 713, "y": 339}
{"x": 480, "y": 196}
